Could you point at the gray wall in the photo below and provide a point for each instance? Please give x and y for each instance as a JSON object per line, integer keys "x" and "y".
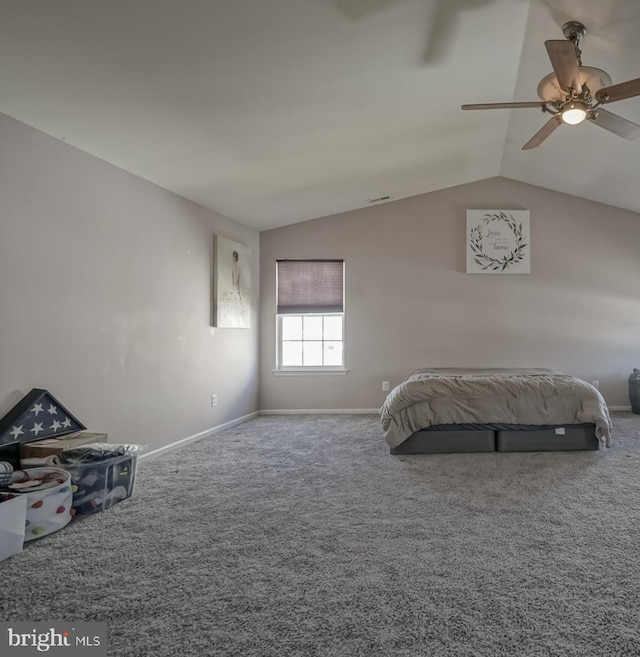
{"x": 410, "y": 304}
{"x": 105, "y": 296}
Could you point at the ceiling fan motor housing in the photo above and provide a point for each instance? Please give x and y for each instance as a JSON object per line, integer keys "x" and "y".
{"x": 594, "y": 78}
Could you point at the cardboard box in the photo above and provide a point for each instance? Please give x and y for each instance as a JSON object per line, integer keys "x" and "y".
{"x": 56, "y": 446}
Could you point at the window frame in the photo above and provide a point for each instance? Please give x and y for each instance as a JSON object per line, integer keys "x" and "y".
{"x": 310, "y": 369}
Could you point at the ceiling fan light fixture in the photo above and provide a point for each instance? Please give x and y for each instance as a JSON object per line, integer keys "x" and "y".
{"x": 574, "y": 112}
{"x": 573, "y": 92}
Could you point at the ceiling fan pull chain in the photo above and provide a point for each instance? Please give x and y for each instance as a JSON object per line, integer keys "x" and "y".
{"x": 575, "y": 31}
{"x": 578, "y": 55}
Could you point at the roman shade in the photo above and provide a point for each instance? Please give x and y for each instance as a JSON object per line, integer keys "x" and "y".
{"x": 310, "y": 286}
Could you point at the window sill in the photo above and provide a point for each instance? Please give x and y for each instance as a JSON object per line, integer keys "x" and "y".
{"x": 302, "y": 371}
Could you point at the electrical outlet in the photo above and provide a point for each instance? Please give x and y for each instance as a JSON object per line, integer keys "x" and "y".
{"x": 596, "y": 384}
{"x": 385, "y": 386}
{"x": 214, "y": 400}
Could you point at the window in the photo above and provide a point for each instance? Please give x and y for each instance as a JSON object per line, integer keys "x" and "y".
{"x": 310, "y": 314}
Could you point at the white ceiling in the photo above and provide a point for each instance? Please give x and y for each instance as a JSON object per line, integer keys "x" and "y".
{"x": 273, "y": 112}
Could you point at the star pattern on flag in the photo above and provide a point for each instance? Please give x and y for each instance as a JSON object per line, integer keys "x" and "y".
{"x": 36, "y": 428}
{"x": 16, "y": 431}
{"x": 24, "y": 422}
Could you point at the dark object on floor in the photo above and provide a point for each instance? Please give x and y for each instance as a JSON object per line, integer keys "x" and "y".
{"x": 569, "y": 438}
{"x": 454, "y": 439}
{"x": 634, "y": 390}
{"x": 448, "y": 441}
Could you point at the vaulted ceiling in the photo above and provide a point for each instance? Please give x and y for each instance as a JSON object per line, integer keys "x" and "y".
{"x": 272, "y": 112}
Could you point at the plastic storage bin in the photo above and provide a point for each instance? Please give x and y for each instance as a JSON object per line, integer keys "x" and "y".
{"x": 97, "y": 485}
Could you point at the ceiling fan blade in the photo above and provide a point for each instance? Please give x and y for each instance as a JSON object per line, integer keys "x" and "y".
{"x": 616, "y": 124}
{"x": 543, "y": 133}
{"x": 619, "y": 91}
{"x": 533, "y": 103}
{"x": 565, "y": 64}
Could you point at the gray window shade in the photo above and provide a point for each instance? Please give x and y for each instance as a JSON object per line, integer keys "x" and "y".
{"x": 310, "y": 286}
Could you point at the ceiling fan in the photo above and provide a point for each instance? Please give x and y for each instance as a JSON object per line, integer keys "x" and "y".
{"x": 574, "y": 93}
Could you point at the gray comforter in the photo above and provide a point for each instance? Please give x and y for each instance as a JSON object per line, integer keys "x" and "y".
{"x": 491, "y": 396}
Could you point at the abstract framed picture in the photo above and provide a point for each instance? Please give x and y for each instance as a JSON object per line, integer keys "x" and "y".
{"x": 498, "y": 242}
{"x": 231, "y": 284}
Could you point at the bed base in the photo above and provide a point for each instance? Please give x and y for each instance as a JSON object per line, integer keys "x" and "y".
{"x": 447, "y": 442}
{"x": 570, "y": 438}
{"x": 576, "y": 437}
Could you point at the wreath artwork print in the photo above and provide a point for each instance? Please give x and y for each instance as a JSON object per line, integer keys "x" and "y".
{"x": 498, "y": 242}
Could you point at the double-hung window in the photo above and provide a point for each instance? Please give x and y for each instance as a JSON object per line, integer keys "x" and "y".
{"x": 310, "y": 315}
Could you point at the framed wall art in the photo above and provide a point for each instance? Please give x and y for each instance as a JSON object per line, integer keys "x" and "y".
{"x": 231, "y": 284}
{"x": 498, "y": 242}
{"x": 36, "y": 416}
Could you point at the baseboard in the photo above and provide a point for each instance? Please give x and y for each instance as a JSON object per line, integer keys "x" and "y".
{"x": 202, "y": 434}
{"x": 319, "y": 411}
{"x": 283, "y": 411}
{"x": 356, "y": 411}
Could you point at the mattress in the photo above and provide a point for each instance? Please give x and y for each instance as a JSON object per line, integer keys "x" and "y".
{"x": 498, "y": 397}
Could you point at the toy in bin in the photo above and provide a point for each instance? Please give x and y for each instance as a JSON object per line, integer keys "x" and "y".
{"x": 101, "y": 475}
